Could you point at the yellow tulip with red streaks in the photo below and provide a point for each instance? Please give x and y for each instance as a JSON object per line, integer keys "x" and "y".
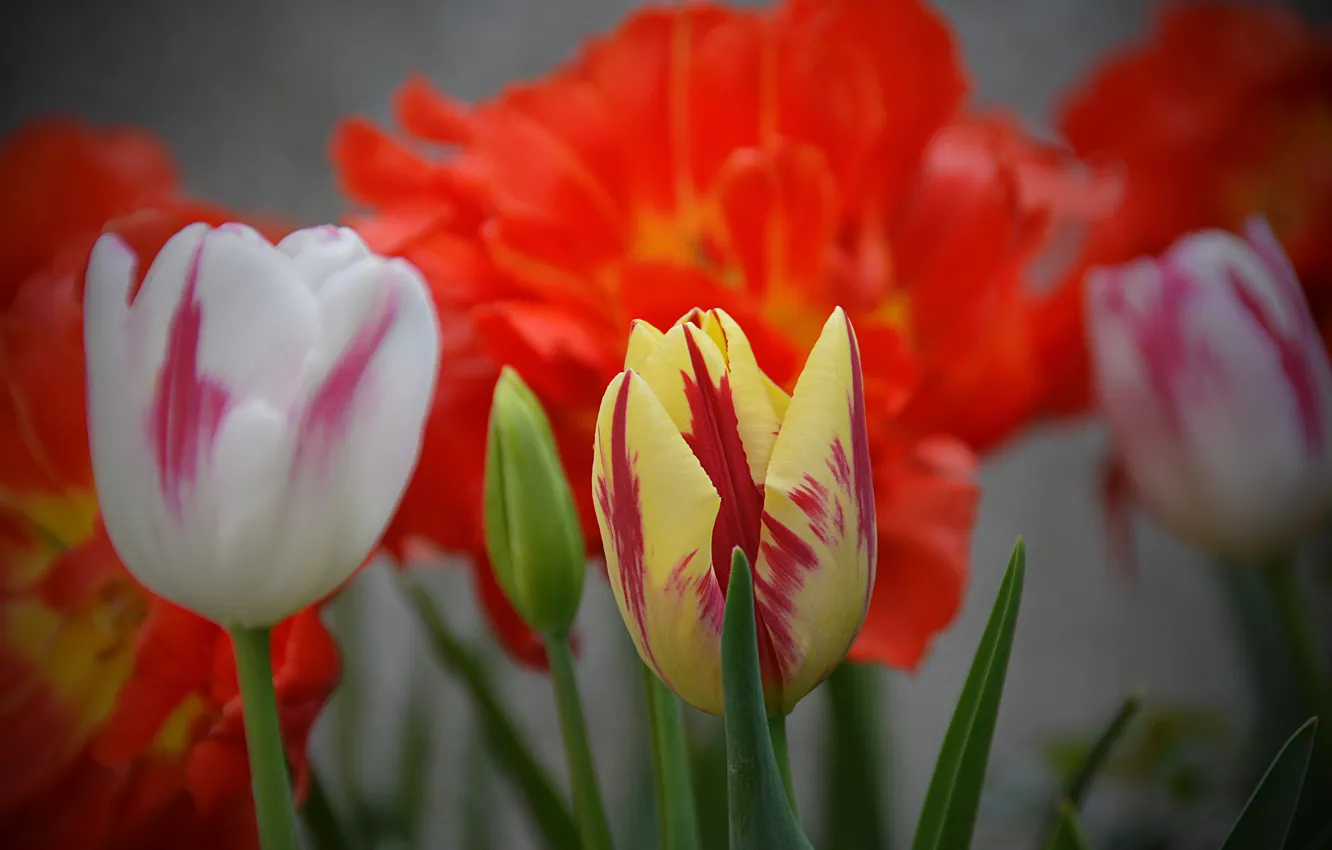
{"x": 698, "y": 452}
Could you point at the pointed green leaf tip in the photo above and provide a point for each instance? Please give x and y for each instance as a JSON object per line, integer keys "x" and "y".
{"x": 948, "y": 817}
{"x": 533, "y": 534}
{"x": 761, "y": 816}
{"x": 1265, "y": 821}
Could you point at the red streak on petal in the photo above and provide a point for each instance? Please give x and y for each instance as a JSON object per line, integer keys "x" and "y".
{"x": 863, "y": 481}
{"x": 620, "y": 498}
{"x": 714, "y": 438}
{"x": 813, "y": 498}
{"x": 326, "y": 415}
{"x": 187, "y": 408}
{"x": 789, "y": 558}
{"x": 704, "y": 585}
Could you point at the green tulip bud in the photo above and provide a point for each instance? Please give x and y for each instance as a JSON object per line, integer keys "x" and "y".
{"x": 533, "y": 533}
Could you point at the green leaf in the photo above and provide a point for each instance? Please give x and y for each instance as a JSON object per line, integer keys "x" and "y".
{"x": 761, "y": 817}
{"x": 1265, "y": 821}
{"x": 856, "y": 817}
{"x": 948, "y": 817}
{"x": 1067, "y": 834}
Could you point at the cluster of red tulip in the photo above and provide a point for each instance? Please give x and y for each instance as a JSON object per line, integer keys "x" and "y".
{"x": 727, "y": 281}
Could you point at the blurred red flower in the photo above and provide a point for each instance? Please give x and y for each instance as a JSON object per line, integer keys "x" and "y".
{"x": 120, "y": 723}
{"x": 1224, "y": 112}
{"x": 772, "y": 163}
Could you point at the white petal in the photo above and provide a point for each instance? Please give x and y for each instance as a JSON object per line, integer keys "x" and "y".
{"x": 128, "y": 495}
{"x": 359, "y": 435}
{"x": 1250, "y": 454}
{"x": 318, "y": 253}
{"x": 251, "y": 579}
{"x": 1143, "y": 421}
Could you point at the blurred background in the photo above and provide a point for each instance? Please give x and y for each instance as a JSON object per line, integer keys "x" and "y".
{"x": 246, "y": 93}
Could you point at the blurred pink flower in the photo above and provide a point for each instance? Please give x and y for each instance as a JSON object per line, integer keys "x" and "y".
{"x": 1218, "y": 390}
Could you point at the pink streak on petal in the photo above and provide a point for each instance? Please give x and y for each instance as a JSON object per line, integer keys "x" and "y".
{"x": 1173, "y": 363}
{"x": 325, "y": 418}
{"x": 187, "y": 408}
{"x": 1295, "y": 363}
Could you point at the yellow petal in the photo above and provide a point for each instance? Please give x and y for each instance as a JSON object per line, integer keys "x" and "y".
{"x": 818, "y": 547}
{"x": 643, "y": 340}
{"x": 656, "y": 508}
{"x": 754, "y": 409}
{"x": 780, "y": 400}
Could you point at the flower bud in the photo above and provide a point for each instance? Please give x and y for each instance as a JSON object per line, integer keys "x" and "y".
{"x": 533, "y": 533}
{"x": 1218, "y": 391}
{"x": 254, "y": 411}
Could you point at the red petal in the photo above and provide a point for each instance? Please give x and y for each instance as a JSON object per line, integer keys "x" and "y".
{"x": 430, "y": 114}
{"x": 926, "y": 500}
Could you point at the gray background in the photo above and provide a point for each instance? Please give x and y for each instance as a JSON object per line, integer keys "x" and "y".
{"x": 246, "y": 93}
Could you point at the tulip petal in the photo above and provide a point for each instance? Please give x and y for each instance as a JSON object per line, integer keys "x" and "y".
{"x": 656, "y": 508}
{"x": 368, "y": 383}
{"x": 317, "y": 253}
{"x": 256, "y": 316}
{"x": 688, "y": 374}
{"x": 755, "y": 399}
{"x": 123, "y": 469}
{"x": 819, "y": 540}
{"x": 643, "y": 340}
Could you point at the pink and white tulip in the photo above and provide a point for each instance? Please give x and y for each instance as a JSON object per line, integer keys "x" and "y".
{"x": 1218, "y": 391}
{"x": 255, "y": 411}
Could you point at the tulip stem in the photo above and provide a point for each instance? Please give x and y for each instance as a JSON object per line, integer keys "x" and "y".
{"x": 777, "y": 727}
{"x": 588, "y": 810}
{"x": 853, "y": 808}
{"x": 1304, "y": 647}
{"x": 269, "y": 781}
{"x": 677, "y": 817}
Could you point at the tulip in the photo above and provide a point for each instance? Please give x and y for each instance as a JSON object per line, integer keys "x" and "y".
{"x": 533, "y": 533}
{"x": 255, "y": 411}
{"x": 1218, "y": 391}
{"x": 698, "y": 452}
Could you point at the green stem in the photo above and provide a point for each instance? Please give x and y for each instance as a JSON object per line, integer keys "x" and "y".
{"x": 273, "y": 807}
{"x": 854, "y": 801}
{"x": 588, "y": 811}
{"x": 677, "y": 818}
{"x": 503, "y": 738}
{"x": 1304, "y": 647}
{"x": 777, "y": 726}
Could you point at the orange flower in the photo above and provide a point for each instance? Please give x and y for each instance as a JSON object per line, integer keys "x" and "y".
{"x": 774, "y": 164}
{"x": 120, "y": 722}
{"x": 1225, "y": 112}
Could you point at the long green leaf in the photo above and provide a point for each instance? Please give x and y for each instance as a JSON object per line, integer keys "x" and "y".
{"x": 512, "y": 755}
{"x": 761, "y": 817}
{"x": 1067, "y": 834}
{"x": 948, "y": 817}
{"x": 1265, "y": 821}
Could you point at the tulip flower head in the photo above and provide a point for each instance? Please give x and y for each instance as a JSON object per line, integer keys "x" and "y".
{"x": 1218, "y": 390}
{"x": 698, "y": 452}
{"x": 254, "y": 412}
